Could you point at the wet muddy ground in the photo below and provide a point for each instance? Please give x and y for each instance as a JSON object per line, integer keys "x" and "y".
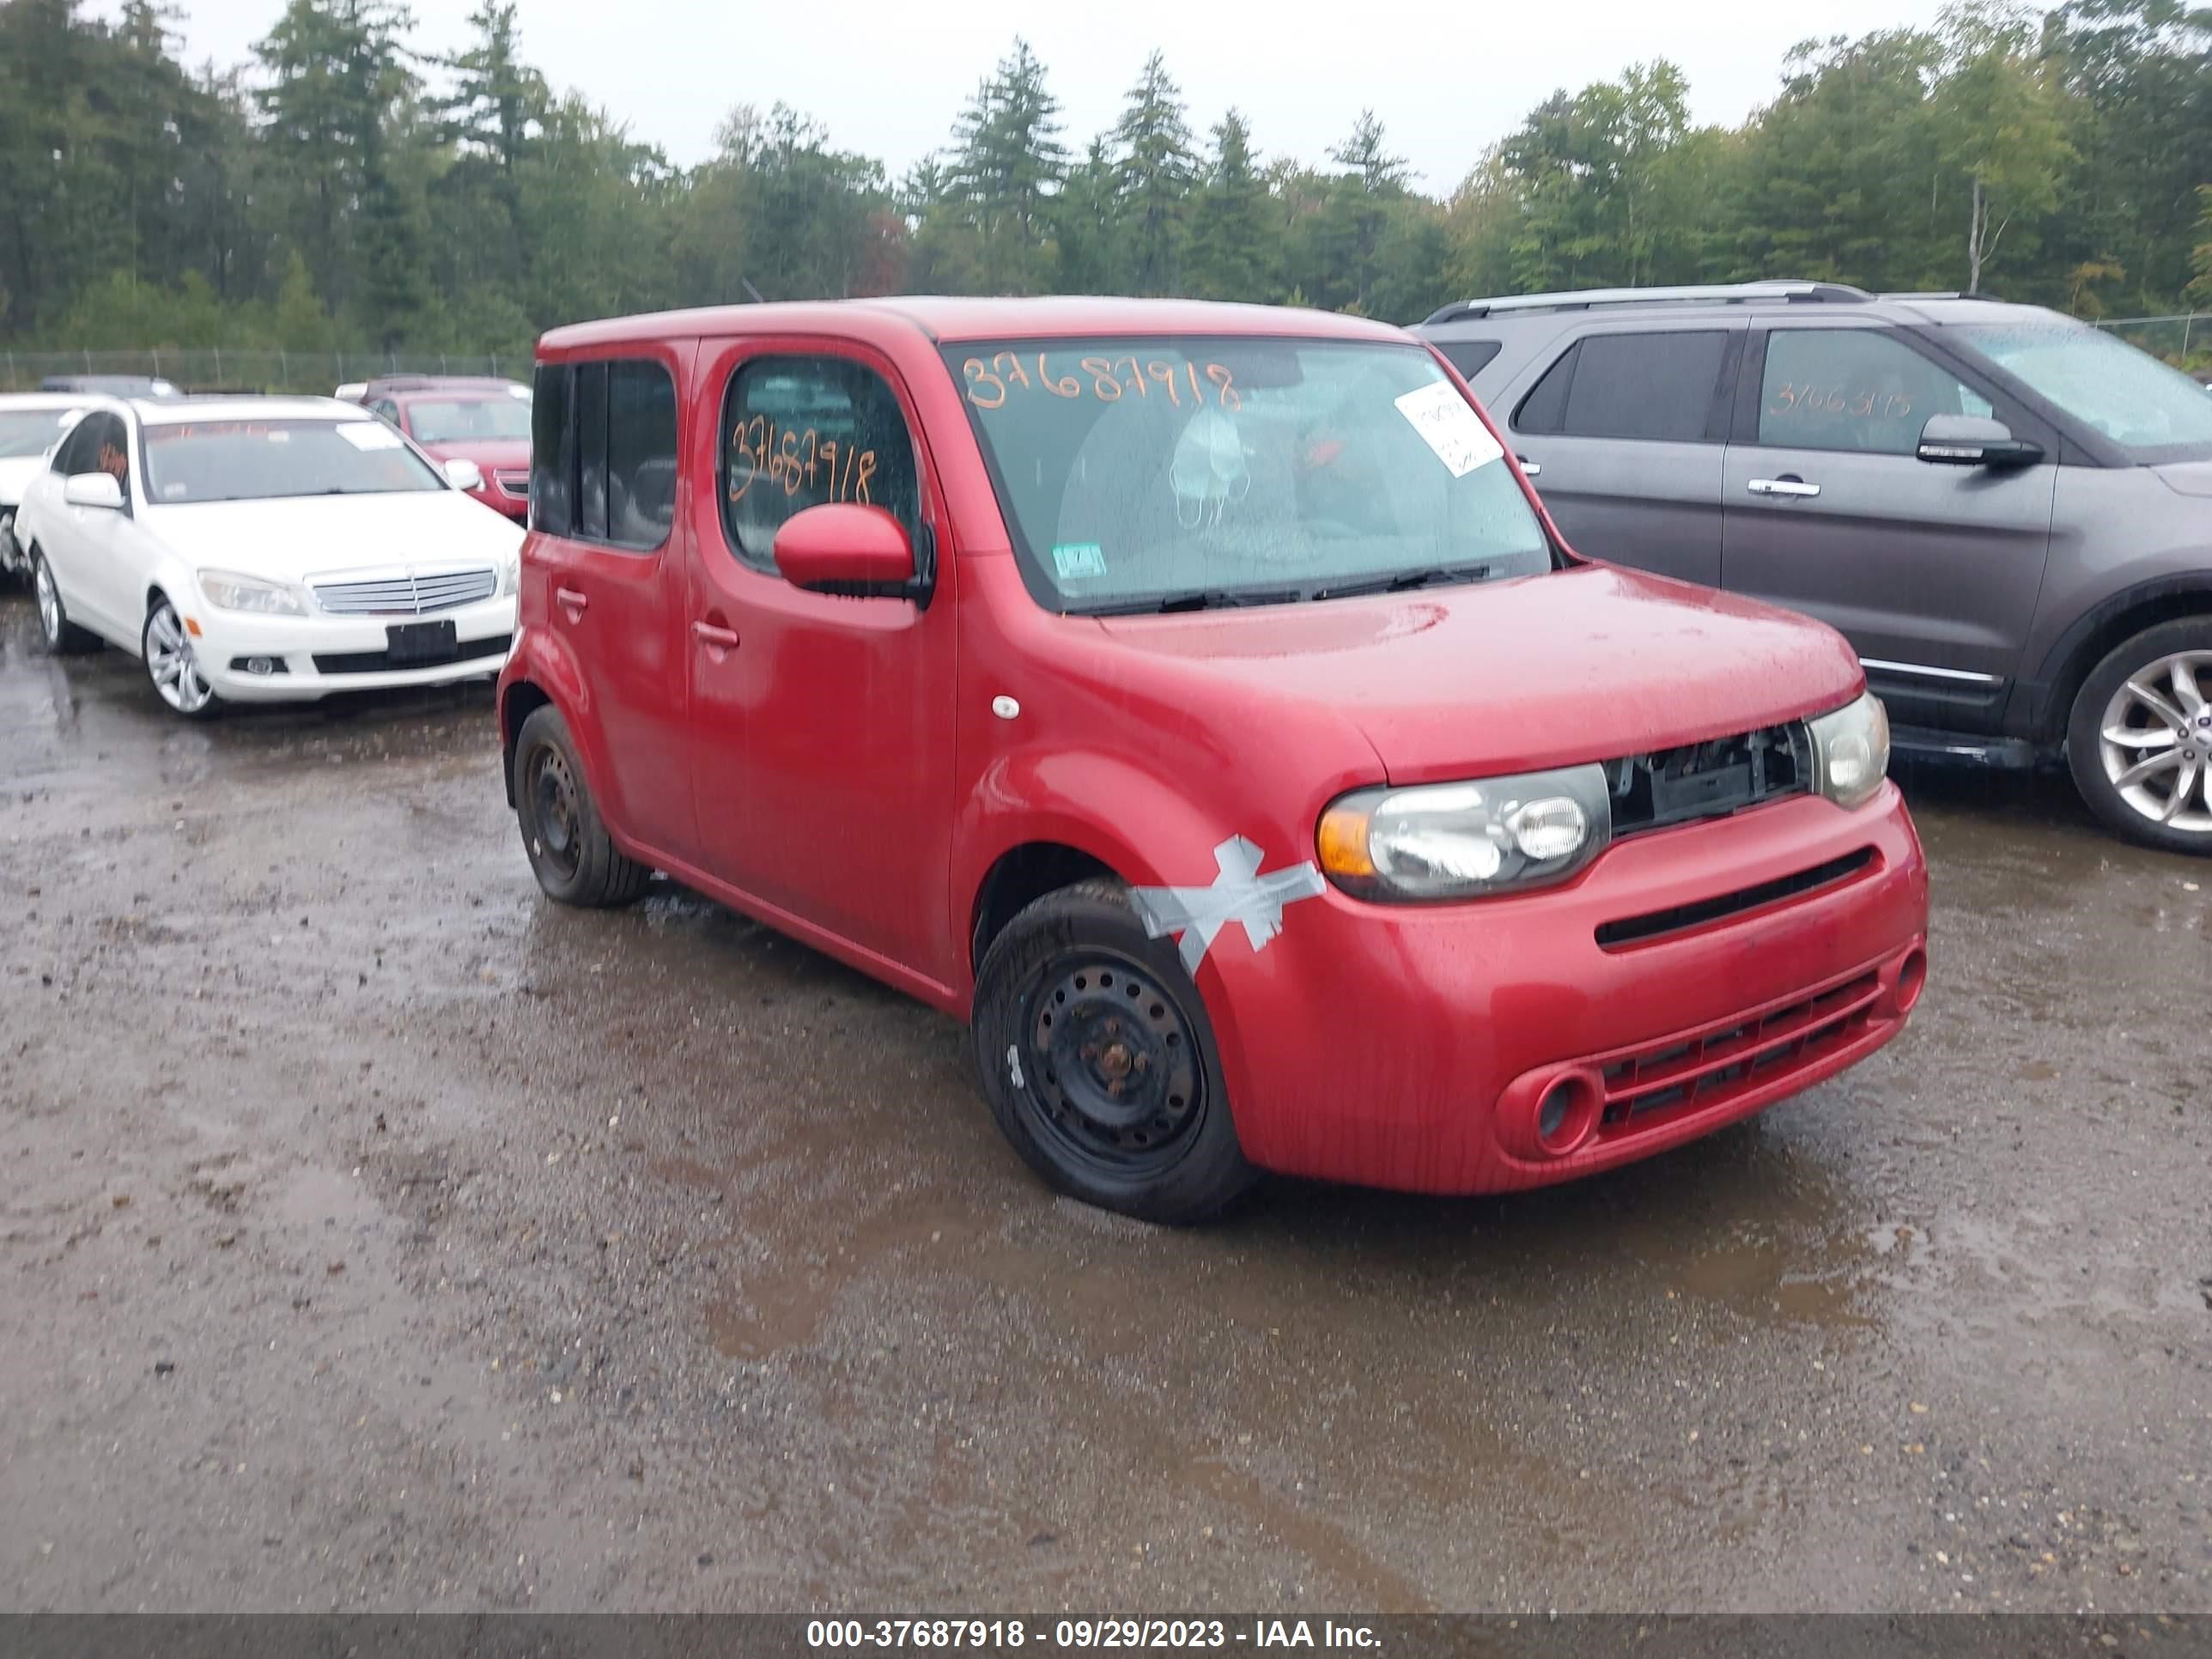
{"x": 379, "y": 1236}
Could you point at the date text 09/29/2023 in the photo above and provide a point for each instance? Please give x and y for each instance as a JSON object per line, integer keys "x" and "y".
{"x": 1112, "y": 1633}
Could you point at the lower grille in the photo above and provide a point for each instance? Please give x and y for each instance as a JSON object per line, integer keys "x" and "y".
{"x": 378, "y": 662}
{"x": 1710, "y": 1068}
{"x": 405, "y": 595}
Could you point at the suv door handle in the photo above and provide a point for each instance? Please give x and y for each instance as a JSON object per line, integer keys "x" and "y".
{"x": 713, "y": 638}
{"x": 1528, "y": 468}
{"x": 1786, "y": 485}
{"x": 572, "y": 602}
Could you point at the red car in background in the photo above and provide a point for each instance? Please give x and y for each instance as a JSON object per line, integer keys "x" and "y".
{"x": 466, "y": 419}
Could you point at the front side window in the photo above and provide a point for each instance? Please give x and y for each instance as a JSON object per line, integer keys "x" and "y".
{"x": 77, "y": 453}
{"x": 231, "y": 460}
{"x": 25, "y": 432}
{"x": 2155, "y": 412}
{"x": 801, "y": 432}
{"x": 1853, "y": 389}
{"x": 498, "y": 419}
{"x": 1164, "y": 473}
{"x": 1661, "y": 386}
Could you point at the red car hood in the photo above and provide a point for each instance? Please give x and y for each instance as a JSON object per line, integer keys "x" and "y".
{"x": 502, "y": 454}
{"x": 1591, "y": 663}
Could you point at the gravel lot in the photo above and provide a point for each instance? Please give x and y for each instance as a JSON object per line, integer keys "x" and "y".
{"x": 378, "y": 1236}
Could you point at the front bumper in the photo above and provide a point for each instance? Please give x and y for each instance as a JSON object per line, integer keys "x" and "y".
{"x": 320, "y": 655}
{"x": 1412, "y": 1047}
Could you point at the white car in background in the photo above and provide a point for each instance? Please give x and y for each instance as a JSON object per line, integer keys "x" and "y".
{"x": 263, "y": 550}
{"x": 31, "y": 423}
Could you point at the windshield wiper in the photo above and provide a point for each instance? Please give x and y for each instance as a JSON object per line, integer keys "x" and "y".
{"x": 1406, "y": 580}
{"x": 1199, "y": 599}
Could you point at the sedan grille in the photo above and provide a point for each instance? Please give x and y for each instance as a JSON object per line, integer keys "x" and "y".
{"x": 406, "y": 595}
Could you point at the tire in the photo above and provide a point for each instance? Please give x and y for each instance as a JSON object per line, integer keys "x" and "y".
{"x": 575, "y": 861}
{"x": 2161, "y": 736}
{"x": 1098, "y": 1060}
{"x": 165, "y": 650}
{"x": 63, "y": 638}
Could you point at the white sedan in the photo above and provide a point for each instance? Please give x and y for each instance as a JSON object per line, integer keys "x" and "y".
{"x": 31, "y": 423}
{"x": 260, "y": 550}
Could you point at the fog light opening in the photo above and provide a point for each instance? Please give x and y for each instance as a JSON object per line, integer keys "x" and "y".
{"x": 1911, "y": 978}
{"x": 1567, "y": 1113}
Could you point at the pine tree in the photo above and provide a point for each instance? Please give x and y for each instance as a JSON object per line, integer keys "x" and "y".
{"x": 1231, "y": 238}
{"x": 1007, "y": 163}
{"x": 1157, "y": 169}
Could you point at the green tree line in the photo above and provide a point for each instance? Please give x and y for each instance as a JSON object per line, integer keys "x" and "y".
{"x": 345, "y": 187}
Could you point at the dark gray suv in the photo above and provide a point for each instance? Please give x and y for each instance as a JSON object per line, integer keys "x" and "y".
{"x": 2007, "y": 513}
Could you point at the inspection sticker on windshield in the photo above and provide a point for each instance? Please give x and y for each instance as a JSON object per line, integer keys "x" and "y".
{"x": 368, "y": 435}
{"x": 1449, "y": 426}
{"x": 1073, "y": 560}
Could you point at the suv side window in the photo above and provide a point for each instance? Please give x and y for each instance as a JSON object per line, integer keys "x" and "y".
{"x": 603, "y": 452}
{"x": 1853, "y": 389}
{"x": 1662, "y": 386}
{"x": 800, "y": 432}
{"x": 1468, "y": 357}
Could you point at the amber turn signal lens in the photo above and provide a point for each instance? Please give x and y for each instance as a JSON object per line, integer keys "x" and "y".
{"x": 1343, "y": 842}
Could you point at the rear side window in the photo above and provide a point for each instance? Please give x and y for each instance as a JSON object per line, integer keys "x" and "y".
{"x": 1661, "y": 387}
{"x": 801, "y": 432}
{"x": 552, "y": 451}
{"x": 1853, "y": 389}
{"x": 1468, "y": 357}
{"x": 603, "y": 452}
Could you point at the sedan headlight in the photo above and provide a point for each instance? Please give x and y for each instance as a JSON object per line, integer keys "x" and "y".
{"x": 510, "y": 573}
{"x": 228, "y": 590}
{"x": 1850, "y": 752}
{"x": 1449, "y": 841}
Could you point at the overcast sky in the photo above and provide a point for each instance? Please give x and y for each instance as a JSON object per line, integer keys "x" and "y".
{"x": 887, "y": 77}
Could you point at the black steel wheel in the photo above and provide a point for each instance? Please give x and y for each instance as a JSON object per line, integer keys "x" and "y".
{"x": 1098, "y": 1060}
{"x": 574, "y": 858}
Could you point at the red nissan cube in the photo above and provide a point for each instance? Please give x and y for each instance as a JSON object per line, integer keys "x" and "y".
{"x": 1197, "y": 701}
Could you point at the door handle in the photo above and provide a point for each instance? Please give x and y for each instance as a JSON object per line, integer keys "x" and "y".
{"x": 572, "y": 602}
{"x": 1796, "y": 486}
{"x": 713, "y": 638}
{"x": 1528, "y": 468}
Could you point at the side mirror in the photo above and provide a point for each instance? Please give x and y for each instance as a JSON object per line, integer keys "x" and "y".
{"x": 841, "y": 547}
{"x": 93, "y": 489}
{"x": 1974, "y": 440}
{"x": 464, "y": 475}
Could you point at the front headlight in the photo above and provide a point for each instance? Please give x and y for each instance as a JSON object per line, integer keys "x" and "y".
{"x": 1850, "y": 752}
{"x": 510, "y": 573}
{"x": 228, "y": 590}
{"x": 1449, "y": 841}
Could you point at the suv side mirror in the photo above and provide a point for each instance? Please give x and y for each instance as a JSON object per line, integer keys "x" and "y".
{"x": 1974, "y": 440}
{"x": 464, "y": 475}
{"x": 862, "y": 552}
{"x": 93, "y": 489}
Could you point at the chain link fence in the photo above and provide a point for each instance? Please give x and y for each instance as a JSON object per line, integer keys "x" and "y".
{"x": 220, "y": 369}
{"x": 2185, "y": 340}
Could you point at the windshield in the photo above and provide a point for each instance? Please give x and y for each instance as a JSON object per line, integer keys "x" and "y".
{"x": 1143, "y": 474}
{"x": 255, "y": 460}
{"x": 468, "y": 420}
{"x": 2157, "y": 413}
{"x": 29, "y": 431}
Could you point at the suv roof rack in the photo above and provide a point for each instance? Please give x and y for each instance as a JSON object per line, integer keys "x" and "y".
{"x": 1695, "y": 293}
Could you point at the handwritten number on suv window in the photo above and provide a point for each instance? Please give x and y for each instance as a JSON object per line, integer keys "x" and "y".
{"x": 1835, "y": 400}
{"x": 989, "y": 384}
